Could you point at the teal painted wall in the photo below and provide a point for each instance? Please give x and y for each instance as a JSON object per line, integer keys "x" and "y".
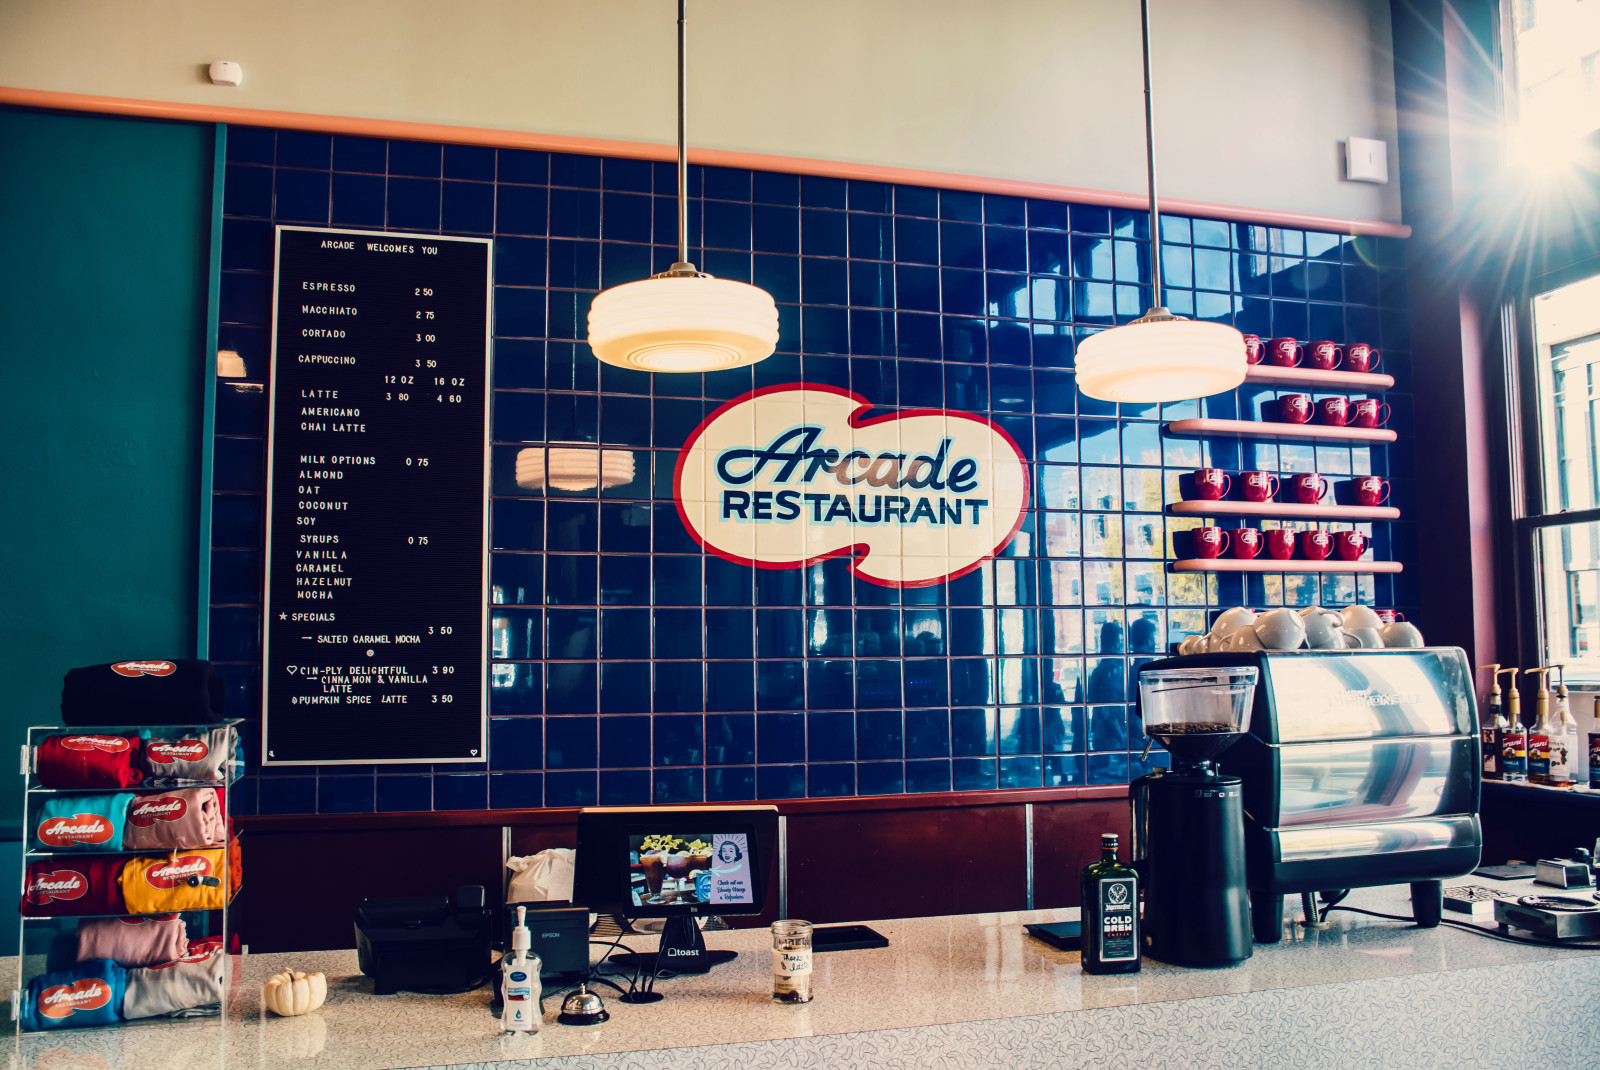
{"x": 105, "y": 225}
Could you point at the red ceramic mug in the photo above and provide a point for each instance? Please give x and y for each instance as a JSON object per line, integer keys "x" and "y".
{"x": 1371, "y": 490}
{"x": 1255, "y": 351}
{"x": 1294, "y": 408}
{"x": 1246, "y": 543}
{"x": 1335, "y": 412}
{"x": 1309, "y": 488}
{"x": 1368, "y": 412}
{"x": 1350, "y": 545}
{"x": 1325, "y": 356}
{"x": 1285, "y": 352}
{"x": 1315, "y": 544}
{"x": 1211, "y": 484}
{"x": 1280, "y": 544}
{"x": 1259, "y": 486}
{"x": 1210, "y": 542}
{"x": 1389, "y": 616}
{"x": 1360, "y": 357}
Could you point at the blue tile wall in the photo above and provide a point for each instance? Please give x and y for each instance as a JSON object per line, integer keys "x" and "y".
{"x": 628, "y": 667}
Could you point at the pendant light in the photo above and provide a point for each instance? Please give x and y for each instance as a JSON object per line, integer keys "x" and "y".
{"x": 574, "y": 469}
{"x": 1159, "y": 356}
{"x": 683, "y": 320}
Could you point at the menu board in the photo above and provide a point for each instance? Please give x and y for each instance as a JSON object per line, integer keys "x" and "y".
{"x": 377, "y": 499}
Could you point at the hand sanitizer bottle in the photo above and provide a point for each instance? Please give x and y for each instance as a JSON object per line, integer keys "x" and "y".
{"x": 519, "y": 982}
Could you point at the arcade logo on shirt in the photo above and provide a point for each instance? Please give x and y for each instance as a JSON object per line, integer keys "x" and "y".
{"x": 56, "y": 884}
{"x": 60, "y": 1001}
{"x": 79, "y": 828}
{"x": 183, "y": 750}
{"x": 144, "y": 668}
{"x": 789, "y": 475}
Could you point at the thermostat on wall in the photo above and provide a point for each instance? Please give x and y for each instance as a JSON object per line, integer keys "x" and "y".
{"x": 226, "y": 72}
{"x": 1366, "y": 160}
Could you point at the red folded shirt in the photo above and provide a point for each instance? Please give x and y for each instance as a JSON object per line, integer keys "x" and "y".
{"x": 67, "y": 886}
{"x": 89, "y": 760}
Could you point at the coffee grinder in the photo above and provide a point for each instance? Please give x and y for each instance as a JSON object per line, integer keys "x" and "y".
{"x": 1188, "y": 822}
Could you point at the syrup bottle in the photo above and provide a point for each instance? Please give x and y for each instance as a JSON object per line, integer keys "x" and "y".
{"x": 1492, "y": 726}
{"x": 1563, "y": 733}
{"x": 1514, "y": 739}
{"x": 1539, "y": 734}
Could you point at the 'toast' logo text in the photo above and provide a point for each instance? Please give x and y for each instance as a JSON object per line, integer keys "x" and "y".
{"x": 183, "y": 750}
{"x": 57, "y": 884}
{"x": 108, "y": 744}
{"x": 144, "y": 668}
{"x": 789, "y": 475}
{"x": 59, "y": 1001}
{"x": 79, "y": 828}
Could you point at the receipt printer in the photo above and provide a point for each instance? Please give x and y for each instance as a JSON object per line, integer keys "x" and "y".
{"x": 559, "y": 932}
{"x": 425, "y": 943}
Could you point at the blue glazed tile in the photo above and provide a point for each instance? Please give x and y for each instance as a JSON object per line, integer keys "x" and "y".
{"x": 1005, "y": 249}
{"x": 570, "y": 788}
{"x": 572, "y": 687}
{"x": 927, "y": 733}
{"x": 472, "y": 162}
{"x": 567, "y": 169}
{"x": 823, "y": 232}
{"x": 781, "y": 782}
{"x": 679, "y": 686}
{"x": 825, "y": 282}
{"x": 571, "y": 633}
{"x": 730, "y": 739}
{"x": 414, "y": 203}
{"x": 775, "y": 229}
{"x": 625, "y": 787}
{"x": 829, "y": 684}
{"x": 250, "y": 144}
{"x": 235, "y": 576}
{"x": 679, "y": 740}
{"x": 1020, "y": 730}
{"x": 634, "y": 175}
{"x": 1131, "y": 223}
{"x": 516, "y": 791}
{"x": 404, "y": 793}
{"x": 819, "y": 192}
{"x": 877, "y": 684}
{"x": 624, "y": 632}
{"x": 625, "y": 687}
{"x": 731, "y": 784}
{"x": 243, "y": 798}
{"x": 1020, "y": 772}
{"x": 679, "y": 786}
{"x": 301, "y": 197}
{"x": 468, "y": 207}
{"x": 960, "y": 245}
{"x": 361, "y": 154}
{"x": 1006, "y": 211}
{"x": 1108, "y": 769}
{"x": 730, "y": 685}
{"x": 1062, "y": 771}
{"x": 345, "y": 795}
{"x": 417, "y": 159}
{"x": 516, "y": 743}
{"x": 878, "y": 734}
{"x": 866, "y": 196}
{"x": 1055, "y": 215}
{"x": 916, "y": 241}
{"x": 237, "y": 519}
{"x": 516, "y": 690}
{"x": 359, "y": 200}
{"x": 300, "y": 149}
{"x": 247, "y": 245}
{"x": 571, "y": 743}
{"x": 574, "y": 213}
{"x": 973, "y": 732}
{"x": 771, "y": 188}
{"x": 1063, "y": 729}
{"x": 880, "y": 778}
{"x": 916, "y": 201}
{"x": 928, "y": 776}
{"x": 287, "y": 795}
{"x": 238, "y": 464}
{"x": 973, "y": 774}
{"x": 521, "y": 209}
{"x": 830, "y": 780}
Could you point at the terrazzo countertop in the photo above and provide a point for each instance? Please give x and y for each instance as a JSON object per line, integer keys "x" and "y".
{"x": 951, "y": 981}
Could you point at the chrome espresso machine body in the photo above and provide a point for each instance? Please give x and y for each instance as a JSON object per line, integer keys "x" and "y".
{"x": 1360, "y": 768}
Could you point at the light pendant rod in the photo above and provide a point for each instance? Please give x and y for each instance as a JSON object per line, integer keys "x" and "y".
{"x": 683, "y": 137}
{"x": 1150, "y": 158}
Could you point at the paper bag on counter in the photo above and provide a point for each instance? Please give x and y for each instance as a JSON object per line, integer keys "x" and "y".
{"x": 542, "y": 877}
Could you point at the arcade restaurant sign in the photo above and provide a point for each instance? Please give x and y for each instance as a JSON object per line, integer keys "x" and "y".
{"x": 788, "y": 475}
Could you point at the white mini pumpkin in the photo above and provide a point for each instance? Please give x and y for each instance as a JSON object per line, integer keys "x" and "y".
{"x": 291, "y": 992}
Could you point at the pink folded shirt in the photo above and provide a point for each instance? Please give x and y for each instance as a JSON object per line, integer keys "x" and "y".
{"x": 144, "y": 941}
{"x": 182, "y": 818}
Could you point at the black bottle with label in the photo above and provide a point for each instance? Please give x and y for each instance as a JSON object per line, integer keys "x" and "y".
{"x": 1110, "y": 927}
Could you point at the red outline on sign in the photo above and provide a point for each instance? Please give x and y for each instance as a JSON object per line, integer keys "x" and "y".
{"x": 860, "y": 550}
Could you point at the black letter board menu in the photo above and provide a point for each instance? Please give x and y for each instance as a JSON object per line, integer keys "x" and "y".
{"x": 377, "y": 499}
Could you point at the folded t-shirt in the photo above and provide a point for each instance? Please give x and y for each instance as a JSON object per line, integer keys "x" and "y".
{"x": 200, "y": 754}
{"x": 81, "y": 822}
{"x": 192, "y": 981}
{"x": 91, "y": 993}
{"x": 73, "y": 887}
{"x": 155, "y": 692}
{"x": 181, "y": 880}
{"x": 89, "y": 760}
{"x": 142, "y": 941}
{"x": 181, "y": 817}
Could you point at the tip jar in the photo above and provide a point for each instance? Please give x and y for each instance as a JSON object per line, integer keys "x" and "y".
{"x": 791, "y": 962}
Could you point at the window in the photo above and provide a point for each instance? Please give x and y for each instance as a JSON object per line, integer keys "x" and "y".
{"x": 1554, "y": 44}
{"x": 1566, "y": 330}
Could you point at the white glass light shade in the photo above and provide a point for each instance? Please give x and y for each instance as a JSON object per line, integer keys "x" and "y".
{"x": 573, "y": 469}
{"x": 1161, "y": 360}
{"x": 230, "y": 365}
{"x": 683, "y": 324}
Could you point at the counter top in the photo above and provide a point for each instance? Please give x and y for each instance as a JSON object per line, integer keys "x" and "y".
{"x": 966, "y": 982}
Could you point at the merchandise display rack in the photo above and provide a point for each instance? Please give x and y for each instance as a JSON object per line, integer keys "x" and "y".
{"x": 44, "y": 940}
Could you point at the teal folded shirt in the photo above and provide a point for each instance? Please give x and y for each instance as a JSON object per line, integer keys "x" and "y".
{"x": 81, "y": 822}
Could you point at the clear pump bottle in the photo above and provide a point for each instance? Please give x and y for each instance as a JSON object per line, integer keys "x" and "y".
{"x": 1563, "y": 733}
{"x": 519, "y": 982}
{"x": 1514, "y": 740}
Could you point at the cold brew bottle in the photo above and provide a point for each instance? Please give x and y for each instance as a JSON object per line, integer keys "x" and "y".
{"x": 1110, "y": 913}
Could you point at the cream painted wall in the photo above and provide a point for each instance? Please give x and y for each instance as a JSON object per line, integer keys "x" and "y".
{"x": 1253, "y": 96}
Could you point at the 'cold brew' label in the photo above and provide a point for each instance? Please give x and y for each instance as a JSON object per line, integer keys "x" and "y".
{"x": 1119, "y": 899}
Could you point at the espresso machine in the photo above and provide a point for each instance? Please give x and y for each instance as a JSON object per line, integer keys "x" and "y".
{"x": 1359, "y": 768}
{"x": 1188, "y": 822}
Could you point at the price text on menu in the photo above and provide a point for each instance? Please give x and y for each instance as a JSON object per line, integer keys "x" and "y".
{"x": 376, "y": 593}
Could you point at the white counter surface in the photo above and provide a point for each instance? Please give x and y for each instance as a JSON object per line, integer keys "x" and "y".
{"x": 968, "y": 991}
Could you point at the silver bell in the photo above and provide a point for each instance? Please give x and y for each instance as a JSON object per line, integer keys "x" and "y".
{"x": 583, "y": 1007}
